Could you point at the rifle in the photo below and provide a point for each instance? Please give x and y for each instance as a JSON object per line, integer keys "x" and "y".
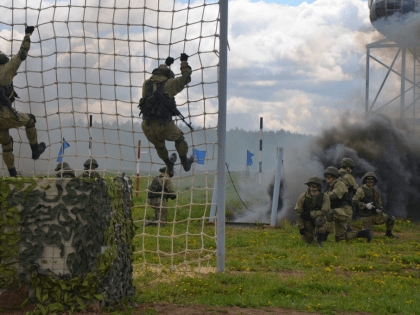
{"x": 171, "y": 107}
{"x": 4, "y": 100}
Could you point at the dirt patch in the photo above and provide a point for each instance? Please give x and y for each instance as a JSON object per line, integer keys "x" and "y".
{"x": 14, "y": 298}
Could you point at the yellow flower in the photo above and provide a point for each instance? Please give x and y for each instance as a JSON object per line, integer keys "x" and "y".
{"x": 328, "y": 269}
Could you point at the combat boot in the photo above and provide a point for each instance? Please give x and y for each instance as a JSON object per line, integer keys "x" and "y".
{"x": 389, "y": 234}
{"x": 365, "y": 234}
{"x": 186, "y": 163}
{"x": 12, "y": 172}
{"x": 320, "y": 237}
{"x": 326, "y": 236}
{"x": 170, "y": 163}
{"x": 37, "y": 150}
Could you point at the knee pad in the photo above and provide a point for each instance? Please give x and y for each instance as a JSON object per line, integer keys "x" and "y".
{"x": 391, "y": 219}
{"x": 8, "y": 147}
{"x": 31, "y": 122}
{"x": 180, "y": 139}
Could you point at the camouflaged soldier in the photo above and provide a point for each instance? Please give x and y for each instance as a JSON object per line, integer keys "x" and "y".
{"x": 369, "y": 202}
{"x": 346, "y": 166}
{"x": 9, "y": 117}
{"x": 160, "y": 190}
{"x": 64, "y": 171}
{"x": 340, "y": 208}
{"x": 157, "y": 124}
{"x": 312, "y": 208}
{"x": 90, "y": 166}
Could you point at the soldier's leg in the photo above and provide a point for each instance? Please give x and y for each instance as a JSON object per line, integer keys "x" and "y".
{"x": 341, "y": 217}
{"x": 321, "y": 230}
{"x": 31, "y": 134}
{"x": 307, "y": 233}
{"x": 389, "y": 220}
{"x": 164, "y": 211}
{"x": 173, "y": 133}
{"x": 7, "y": 145}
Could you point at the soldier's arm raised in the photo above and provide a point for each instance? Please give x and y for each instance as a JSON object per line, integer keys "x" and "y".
{"x": 174, "y": 86}
{"x": 13, "y": 65}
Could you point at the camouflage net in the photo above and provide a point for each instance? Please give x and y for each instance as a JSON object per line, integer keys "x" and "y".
{"x": 70, "y": 240}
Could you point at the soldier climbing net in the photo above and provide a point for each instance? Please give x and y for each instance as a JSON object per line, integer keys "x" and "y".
{"x": 82, "y": 80}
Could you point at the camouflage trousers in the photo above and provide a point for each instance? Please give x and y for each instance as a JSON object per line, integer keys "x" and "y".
{"x": 378, "y": 219}
{"x": 161, "y": 208}
{"x": 8, "y": 121}
{"x": 158, "y": 134}
{"x": 338, "y": 226}
{"x": 312, "y": 228}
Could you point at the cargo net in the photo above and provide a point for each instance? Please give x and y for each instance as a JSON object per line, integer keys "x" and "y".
{"x": 83, "y": 80}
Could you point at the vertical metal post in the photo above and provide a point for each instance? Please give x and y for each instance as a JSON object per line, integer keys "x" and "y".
{"x": 221, "y": 152}
{"x": 403, "y": 66}
{"x": 367, "y": 83}
{"x": 213, "y": 200}
{"x": 90, "y": 137}
{"x": 261, "y": 141}
{"x": 276, "y": 187}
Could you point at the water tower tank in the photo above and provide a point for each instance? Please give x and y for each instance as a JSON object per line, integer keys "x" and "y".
{"x": 394, "y": 18}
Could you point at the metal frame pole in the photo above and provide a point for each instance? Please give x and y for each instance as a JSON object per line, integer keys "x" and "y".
{"x": 276, "y": 187}
{"x": 261, "y": 143}
{"x": 213, "y": 200}
{"x": 403, "y": 66}
{"x": 221, "y": 152}
{"x": 367, "y": 83}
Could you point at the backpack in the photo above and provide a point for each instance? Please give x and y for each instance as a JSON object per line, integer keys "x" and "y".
{"x": 155, "y": 104}
{"x": 155, "y": 189}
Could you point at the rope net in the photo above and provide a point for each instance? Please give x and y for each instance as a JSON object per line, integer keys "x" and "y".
{"x": 87, "y": 62}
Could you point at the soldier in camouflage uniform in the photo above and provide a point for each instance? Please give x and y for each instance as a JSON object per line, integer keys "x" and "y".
{"x": 340, "y": 208}
{"x": 160, "y": 189}
{"x": 64, "y": 171}
{"x": 369, "y": 202}
{"x": 312, "y": 208}
{"x": 346, "y": 166}
{"x": 9, "y": 118}
{"x": 90, "y": 166}
{"x": 157, "y": 124}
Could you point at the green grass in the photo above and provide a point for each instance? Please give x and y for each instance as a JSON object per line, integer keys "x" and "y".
{"x": 274, "y": 268}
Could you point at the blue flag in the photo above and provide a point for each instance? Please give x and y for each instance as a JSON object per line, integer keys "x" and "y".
{"x": 62, "y": 148}
{"x": 249, "y": 156}
{"x": 200, "y": 156}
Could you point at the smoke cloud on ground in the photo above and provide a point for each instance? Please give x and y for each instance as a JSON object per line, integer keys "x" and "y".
{"x": 381, "y": 145}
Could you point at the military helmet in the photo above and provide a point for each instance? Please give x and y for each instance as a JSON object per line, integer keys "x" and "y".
{"x": 331, "y": 170}
{"x": 67, "y": 172}
{"x": 64, "y": 164}
{"x": 369, "y": 174}
{"x": 346, "y": 162}
{"x": 164, "y": 71}
{"x": 88, "y": 162}
{"x": 315, "y": 180}
{"x": 163, "y": 170}
{"x": 3, "y": 58}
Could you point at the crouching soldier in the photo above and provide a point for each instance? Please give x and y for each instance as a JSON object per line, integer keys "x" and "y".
{"x": 346, "y": 166}
{"x": 312, "y": 208}
{"x": 64, "y": 171}
{"x": 369, "y": 202}
{"x": 90, "y": 166}
{"x": 160, "y": 190}
{"x": 341, "y": 211}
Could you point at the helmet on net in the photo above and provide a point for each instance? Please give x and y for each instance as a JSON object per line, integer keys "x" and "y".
{"x": 90, "y": 162}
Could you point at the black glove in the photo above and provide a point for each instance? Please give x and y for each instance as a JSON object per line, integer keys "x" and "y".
{"x": 184, "y": 57}
{"x": 306, "y": 216}
{"x": 302, "y": 231}
{"x": 29, "y": 29}
{"x": 169, "y": 61}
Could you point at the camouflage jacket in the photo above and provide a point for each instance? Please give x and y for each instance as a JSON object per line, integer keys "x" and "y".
{"x": 166, "y": 183}
{"x": 337, "y": 192}
{"x": 325, "y": 208}
{"x": 348, "y": 179}
{"x": 360, "y": 195}
{"x": 172, "y": 86}
{"x": 9, "y": 69}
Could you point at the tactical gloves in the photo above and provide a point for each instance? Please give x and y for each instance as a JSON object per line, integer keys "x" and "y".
{"x": 306, "y": 216}
{"x": 184, "y": 57}
{"x": 169, "y": 61}
{"x": 369, "y": 205}
{"x": 29, "y": 29}
{"x": 330, "y": 215}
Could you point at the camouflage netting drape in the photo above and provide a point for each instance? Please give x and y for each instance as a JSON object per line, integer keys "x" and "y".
{"x": 70, "y": 240}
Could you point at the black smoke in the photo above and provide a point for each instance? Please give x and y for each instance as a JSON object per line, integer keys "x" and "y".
{"x": 383, "y": 146}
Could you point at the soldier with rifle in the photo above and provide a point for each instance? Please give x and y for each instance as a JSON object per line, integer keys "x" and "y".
{"x": 369, "y": 202}
{"x": 346, "y": 166}
{"x": 312, "y": 208}
{"x": 9, "y": 117}
{"x": 157, "y": 106}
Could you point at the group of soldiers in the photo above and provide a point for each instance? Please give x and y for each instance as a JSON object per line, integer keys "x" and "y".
{"x": 332, "y": 212}
{"x": 157, "y": 106}
{"x": 63, "y": 170}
